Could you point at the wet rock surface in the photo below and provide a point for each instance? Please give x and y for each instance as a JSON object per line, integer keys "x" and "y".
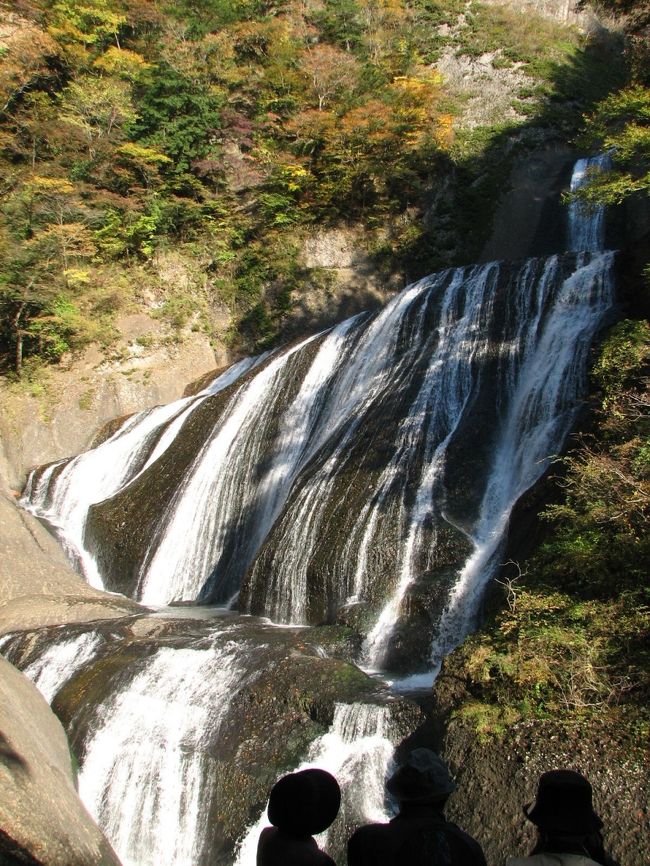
{"x": 285, "y": 699}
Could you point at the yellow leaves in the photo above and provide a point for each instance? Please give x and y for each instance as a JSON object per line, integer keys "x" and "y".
{"x": 88, "y": 23}
{"x": 76, "y": 278}
{"x": 97, "y": 106}
{"x": 47, "y": 186}
{"x": 294, "y": 177}
{"x": 141, "y": 154}
{"x": 68, "y": 239}
{"x": 122, "y": 62}
{"x": 477, "y": 663}
{"x": 444, "y": 132}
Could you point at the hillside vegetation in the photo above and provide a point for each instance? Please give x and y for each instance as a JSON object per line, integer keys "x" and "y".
{"x": 224, "y": 131}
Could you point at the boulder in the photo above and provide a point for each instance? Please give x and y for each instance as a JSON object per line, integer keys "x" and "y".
{"x": 42, "y": 820}
{"x": 37, "y": 584}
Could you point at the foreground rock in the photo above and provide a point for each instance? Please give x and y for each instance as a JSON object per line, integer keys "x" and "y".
{"x": 37, "y": 585}
{"x": 497, "y": 775}
{"x": 42, "y": 820}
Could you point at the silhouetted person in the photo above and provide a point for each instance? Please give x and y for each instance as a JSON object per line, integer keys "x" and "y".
{"x": 568, "y": 829}
{"x": 419, "y": 834}
{"x": 300, "y": 805}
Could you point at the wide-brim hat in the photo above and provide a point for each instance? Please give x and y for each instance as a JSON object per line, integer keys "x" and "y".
{"x": 423, "y": 776}
{"x": 304, "y": 803}
{"x": 563, "y": 804}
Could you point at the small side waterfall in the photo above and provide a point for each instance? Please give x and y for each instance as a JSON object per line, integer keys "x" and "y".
{"x": 357, "y": 750}
{"x": 61, "y": 661}
{"x": 362, "y": 477}
{"x": 587, "y": 225}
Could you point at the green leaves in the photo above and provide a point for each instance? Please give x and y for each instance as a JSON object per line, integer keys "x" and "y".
{"x": 620, "y": 124}
{"x": 176, "y": 117}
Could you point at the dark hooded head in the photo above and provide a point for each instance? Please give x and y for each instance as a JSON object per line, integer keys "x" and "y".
{"x": 304, "y": 803}
{"x": 423, "y": 778}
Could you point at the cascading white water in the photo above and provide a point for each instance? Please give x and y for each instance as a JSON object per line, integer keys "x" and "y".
{"x": 546, "y": 389}
{"x": 543, "y": 408}
{"x": 102, "y": 471}
{"x": 147, "y": 760}
{"x": 61, "y": 661}
{"x": 274, "y": 465}
{"x": 357, "y": 750}
{"x": 147, "y": 776}
{"x": 206, "y": 503}
{"x": 439, "y": 406}
{"x": 587, "y": 224}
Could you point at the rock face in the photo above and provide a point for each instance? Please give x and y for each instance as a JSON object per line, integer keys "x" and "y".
{"x": 38, "y": 586}
{"x": 61, "y": 415}
{"x": 42, "y": 820}
{"x": 343, "y": 279}
{"x": 499, "y": 777}
{"x": 530, "y": 219}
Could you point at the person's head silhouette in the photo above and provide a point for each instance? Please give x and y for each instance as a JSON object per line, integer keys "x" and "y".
{"x": 301, "y": 804}
{"x": 563, "y": 804}
{"x": 304, "y": 803}
{"x": 564, "y": 815}
{"x": 422, "y": 778}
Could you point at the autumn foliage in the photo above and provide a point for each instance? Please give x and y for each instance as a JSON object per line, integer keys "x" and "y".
{"x": 128, "y": 125}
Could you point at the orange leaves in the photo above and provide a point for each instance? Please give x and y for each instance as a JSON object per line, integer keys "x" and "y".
{"x": 26, "y": 52}
{"x": 331, "y": 72}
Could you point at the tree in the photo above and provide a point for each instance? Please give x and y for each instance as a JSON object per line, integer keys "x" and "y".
{"x": 99, "y": 107}
{"x": 28, "y": 55}
{"x": 176, "y": 117}
{"x": 330, "y": 72}
{"x": 93, "y": 23}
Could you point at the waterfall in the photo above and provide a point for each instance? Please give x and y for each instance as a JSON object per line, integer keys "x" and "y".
{"x": 546, "y": 390}
{"x": 205, "y": 512}
{"x": 357, "y": 750}
{"x": 63, "y": 493}
{"x": 587, "y": 223}
{"x": 63, "y": 657}
{"x": 337, "y": 477}
{"x": 147, "y": 775}
{"x": 330, "y": 477}
{"x": 61, "y": 661}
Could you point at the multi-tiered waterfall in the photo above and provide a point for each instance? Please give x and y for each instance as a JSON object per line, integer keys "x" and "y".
{"x": 362, "y": 478}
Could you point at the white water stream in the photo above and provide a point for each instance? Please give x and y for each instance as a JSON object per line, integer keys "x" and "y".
{"x": 102, "y": 471}
{"x": 357, "y": 750}
{"x": 152, "y": 743}
{"x": 147, "y": 772}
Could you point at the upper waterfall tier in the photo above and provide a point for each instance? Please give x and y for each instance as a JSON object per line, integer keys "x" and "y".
{"x": 359, "y": 467}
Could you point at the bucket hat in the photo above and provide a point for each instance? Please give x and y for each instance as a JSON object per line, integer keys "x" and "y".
{"x": 423, "y": 776}
{"x": 304, "y": 803}
{"x": 563, "y": 804}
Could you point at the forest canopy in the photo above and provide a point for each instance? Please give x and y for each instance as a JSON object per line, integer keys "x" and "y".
{"x": 226, "y": 129}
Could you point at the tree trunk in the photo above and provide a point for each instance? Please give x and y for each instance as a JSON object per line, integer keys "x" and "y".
{"x": 18, "y": 363}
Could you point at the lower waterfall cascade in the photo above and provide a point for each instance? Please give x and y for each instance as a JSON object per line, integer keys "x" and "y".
{"x": 362, "y": 480}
